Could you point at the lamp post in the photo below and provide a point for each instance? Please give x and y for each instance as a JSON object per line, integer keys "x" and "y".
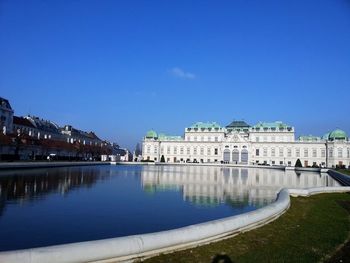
{"x": 326, "y": 153}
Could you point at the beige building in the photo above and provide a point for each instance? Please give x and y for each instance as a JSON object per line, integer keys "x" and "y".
{"x": 239, "y": 143}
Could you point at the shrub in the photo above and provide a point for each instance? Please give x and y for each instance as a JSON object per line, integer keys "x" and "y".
{"x": 298, "y": 163}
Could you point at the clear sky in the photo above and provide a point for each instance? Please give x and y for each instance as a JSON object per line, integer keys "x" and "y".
{"x": 122, "y": 68}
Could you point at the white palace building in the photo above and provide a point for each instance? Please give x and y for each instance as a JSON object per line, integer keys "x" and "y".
{"x": 239, "y": 143}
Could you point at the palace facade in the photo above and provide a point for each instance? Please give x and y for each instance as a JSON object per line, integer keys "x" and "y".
{"x": 239, "y": 143}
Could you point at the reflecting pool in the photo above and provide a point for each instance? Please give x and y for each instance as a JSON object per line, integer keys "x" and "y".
{"x": 41, "y": 207}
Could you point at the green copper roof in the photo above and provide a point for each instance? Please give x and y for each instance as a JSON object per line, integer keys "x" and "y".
{"x": 338, "y": 135}
{"x": 309, "y": 138}
{"x": 164, "y": 137}
{"x": 206, "y": 125}
{"x": 276, "y": 124}
{"x": 238, "y": 124}
{"x": 151, "y": 134}
{"x": 326, "y": 136}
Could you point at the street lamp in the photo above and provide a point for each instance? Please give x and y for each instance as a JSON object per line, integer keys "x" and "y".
{"x": 326, "y": 153}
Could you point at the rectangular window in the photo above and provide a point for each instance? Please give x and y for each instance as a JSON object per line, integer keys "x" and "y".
{"x": 340, "y": 152}
{"x": 195, "y": 150}
{"x": 216, "y": 151}
{"x": 202, "y": 151}
{"x": 265, "y": 151}
{"x": 297, "y": 152}
{"x": 273, "y": 152}
{"x": 273, "y": 138}
{"x": 148, "y": 149}
{"x": 281, "y": 152}
{"x": 257, "y": 153}
{"x": 216, "y": 139}
{"x": 188, "y": 151}
{"x": 155, "y": 149}
{"x": 331, "y": 152}
{"x": 314, "y": 153}
{"x": 175, "y": 150}
{"x": 168, "y": 150}
{"x": 289, "y": 152}
{"x": 181, "y": 150}
{"x": 323, "y": 153}
{"x": 209, "y": 151}
{"x": 257, "y": 139}
{"x": 306, "y": 153}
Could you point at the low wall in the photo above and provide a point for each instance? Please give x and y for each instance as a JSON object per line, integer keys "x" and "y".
{"x": 26, "y": 165}
{"x": 341, "y": 178}
{"x": 136, "y": 246}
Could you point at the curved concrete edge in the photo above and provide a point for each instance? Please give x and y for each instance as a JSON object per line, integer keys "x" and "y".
{"x": 131, "y": 247}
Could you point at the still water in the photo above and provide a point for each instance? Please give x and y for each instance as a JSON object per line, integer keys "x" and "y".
{"x": 41, "y": 207}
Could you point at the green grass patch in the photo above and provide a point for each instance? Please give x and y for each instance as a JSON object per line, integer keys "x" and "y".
{"x": 310, "y": 231}
{"x": 344, "y": 171}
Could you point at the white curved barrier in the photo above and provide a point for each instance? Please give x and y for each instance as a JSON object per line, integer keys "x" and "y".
{"x": 126, "y": 248}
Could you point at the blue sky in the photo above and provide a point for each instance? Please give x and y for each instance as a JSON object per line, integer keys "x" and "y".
{"x": 122, "y": 68}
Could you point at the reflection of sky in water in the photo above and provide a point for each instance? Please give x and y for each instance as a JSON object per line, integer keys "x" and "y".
{"x": 41, "y": 207}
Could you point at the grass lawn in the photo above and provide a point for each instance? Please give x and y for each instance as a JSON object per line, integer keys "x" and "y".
{"x": 310, "y": 231}
{"x": 344, "y": 171}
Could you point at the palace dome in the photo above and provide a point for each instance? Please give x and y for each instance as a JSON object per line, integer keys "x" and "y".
{"x": 337, "y": 135}
{"x": 151, "y": 134}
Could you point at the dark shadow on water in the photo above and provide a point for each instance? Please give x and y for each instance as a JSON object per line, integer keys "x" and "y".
{"x": 222, "y": 259}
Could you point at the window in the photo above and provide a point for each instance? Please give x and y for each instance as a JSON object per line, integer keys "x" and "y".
{"x": 281, "y": 152}
{"x": 216, "y": 151}
{"x": 195, "y": 150}
{"x": 181, "y": 150}
{"x": 216, "y": 139}
{"x": 273, "y": 152}
{"x": 257, "y": 139}
{"x": 168, "y": 150}
{"x": 340, "y": 152}
{"x": 209, "y": 151}
{"x": 175, "y": 150}
{"x": 289, "y": 152}
{"x": 257, "y": 153}
{"x": 331, "y": 152}
{"x": 297, "y": 152}
{"x": 273, "y": 138}
{"x": 202, "y": 151}
{"x": 314, "y": 153}
{"x": 155, "y": 149}
{"x": 265, "y": 151}
{"x": 306, "y": 153}
{"x": 148, "y": 149}
{"x": 188, "y": 151}
{"x": 265, "y": 139}
{"x": 273, "y": 162}
{"x": 195, "y": 138}
{"x": 323, "y": 153}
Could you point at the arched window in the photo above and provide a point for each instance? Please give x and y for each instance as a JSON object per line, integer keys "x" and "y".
{"x": 244, "y": 156}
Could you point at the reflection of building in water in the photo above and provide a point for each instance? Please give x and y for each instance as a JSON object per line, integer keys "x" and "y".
{"x": 213, "y": 185}
{"x": 30, "y": 184}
